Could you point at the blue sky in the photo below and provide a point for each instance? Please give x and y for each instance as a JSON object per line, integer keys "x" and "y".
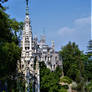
{"x": 62, "y": 20}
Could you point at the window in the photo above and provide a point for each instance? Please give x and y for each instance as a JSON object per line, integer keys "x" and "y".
{"x": 26, "y": 48}
{"x": 22, "y": 66}
{"x": 27, "y": 53}
{"x": 27, "y": 43}
{"x": 56, "y": 58}
{"x": 26, "y": 38}
{"x": 45, "y": 58}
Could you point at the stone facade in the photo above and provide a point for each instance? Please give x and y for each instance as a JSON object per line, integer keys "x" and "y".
{"x": 32, "y": 50}
{"x": 49, "y": 55}
{"x": 27, "y": 67}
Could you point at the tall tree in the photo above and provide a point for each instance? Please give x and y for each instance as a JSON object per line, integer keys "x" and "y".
{"x": 9, "y": 48}
{"x": 73, "y": 63}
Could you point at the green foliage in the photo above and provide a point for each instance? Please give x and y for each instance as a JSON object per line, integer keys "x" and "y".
{"x": 58, "y": 72}
{"x": 72, "y": 61}
{"x": 3, "y": 91}
{"x": 74, "y": 64}
{"x": 63, "y": 90}
{"x": 10, "y": 29}
{"x": 66, "y": 79}
{"x": 88, "y": 69}
{"x": 5, "y": 34}
{"x": 49, "y": 80}
{"x": 9, "y": 54}
{"x": 89, "y": 87}
{"x": 64, "y": 87}
{"x": 9, "y": 49}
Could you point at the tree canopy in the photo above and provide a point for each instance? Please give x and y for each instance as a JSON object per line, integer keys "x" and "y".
{"x": 9, "y": 46}
{"x": 77, "y": 66}
{"x": 49, "y": 80}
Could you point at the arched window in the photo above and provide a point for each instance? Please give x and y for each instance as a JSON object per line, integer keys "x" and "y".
{"x": 27, "y": 43}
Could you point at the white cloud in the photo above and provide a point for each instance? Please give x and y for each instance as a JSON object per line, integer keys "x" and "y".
{"x": 83, "y": 21}
{"x": 79, "y": 32}
{"x": 80, "y": 23}
{"x": 65, "y": 30}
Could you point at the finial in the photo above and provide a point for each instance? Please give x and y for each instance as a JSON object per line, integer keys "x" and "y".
{"x": 27, "y": 2}
{"x": 27, "y": 10}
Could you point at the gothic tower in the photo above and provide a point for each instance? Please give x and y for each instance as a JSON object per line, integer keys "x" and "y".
{"x": 28, "y": 56}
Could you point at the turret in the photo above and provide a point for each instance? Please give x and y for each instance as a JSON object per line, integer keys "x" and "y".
{"x": 53, "y": 45}
{"x": 27, "y": 32}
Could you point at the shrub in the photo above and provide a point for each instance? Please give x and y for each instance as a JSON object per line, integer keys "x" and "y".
{"x": 63, "y": 90}
{"x": 66, "y": 79}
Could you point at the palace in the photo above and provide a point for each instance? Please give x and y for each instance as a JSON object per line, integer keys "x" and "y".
{"x": 48, "y": 54}
{"x": 34, "y": 50}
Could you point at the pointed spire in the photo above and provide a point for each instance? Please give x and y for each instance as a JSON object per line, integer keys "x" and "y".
{"x": 27, "y": 2}
{"x": 27, "y": 9}
{"x": 53, "y": 45}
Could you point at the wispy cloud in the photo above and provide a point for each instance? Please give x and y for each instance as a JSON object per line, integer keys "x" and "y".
{"x": 65, "y": 30}
{"x": 83, "y": 21}
{"x": 80, "y": 32}
{"x": 80, "y": 23}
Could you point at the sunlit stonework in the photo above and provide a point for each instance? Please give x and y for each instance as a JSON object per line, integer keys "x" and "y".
{"x": 32, "y": 50}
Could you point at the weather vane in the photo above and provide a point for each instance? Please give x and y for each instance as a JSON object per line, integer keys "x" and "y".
{"x": 27, "y": 2}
